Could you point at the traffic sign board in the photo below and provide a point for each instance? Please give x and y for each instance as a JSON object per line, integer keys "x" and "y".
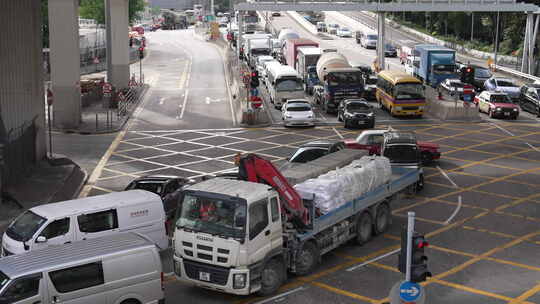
{"x": 409, "y": 291}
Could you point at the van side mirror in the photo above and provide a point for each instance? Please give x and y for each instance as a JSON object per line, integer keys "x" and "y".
{"x": 41, "y": 239}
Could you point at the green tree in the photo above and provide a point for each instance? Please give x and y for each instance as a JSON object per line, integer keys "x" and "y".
{"x": 95, "y": 9}
{"x": 45, "y": 22}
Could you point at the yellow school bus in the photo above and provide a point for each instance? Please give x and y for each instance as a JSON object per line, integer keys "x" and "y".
{"x": 400, "y": 93}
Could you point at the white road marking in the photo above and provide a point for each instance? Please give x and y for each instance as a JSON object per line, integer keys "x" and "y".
{"x": 373, "y": 260}
{"x": 337, "y": 132}
{"x": 281, "y": 295}
{"x": 184, "y": 104}
{"x": 503, "y": 129}
{"x": 209, "y": 100}
{"x": 447, "y": 177}
{"x": 533, "y": 147}
{"x": 162, "y": 100}
{"x": 455, "y": 212}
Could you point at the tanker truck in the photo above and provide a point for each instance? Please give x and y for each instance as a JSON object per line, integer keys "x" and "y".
{"x": 339, "y": 79}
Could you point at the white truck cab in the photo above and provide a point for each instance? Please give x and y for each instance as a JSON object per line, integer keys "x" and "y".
{"x": 222, "y": 240}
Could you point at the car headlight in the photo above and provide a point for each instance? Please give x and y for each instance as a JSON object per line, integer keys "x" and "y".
{"x": 348, "y": 115}
{"x": 497, "y": 109}
{"x": 370, "y": 114}
{"x": 515, "y": 110}
{"x": 239, "y": 281}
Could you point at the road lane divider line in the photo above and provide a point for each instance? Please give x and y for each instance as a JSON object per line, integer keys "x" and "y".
{"x": 339, "y": 134}
{"x": 532, "y": 147}
{"x": 455, "y": 212}
{"x": 447, "y": 177}
{"x": 184, "y": 104}
{"x": 281, "y": 295}
{"x": 503, "y": 129}
{"x": 344, "y": 292}
{"x": 373, "y": 260}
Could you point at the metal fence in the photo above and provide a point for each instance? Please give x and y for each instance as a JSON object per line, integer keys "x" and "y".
{"x": 19, "y": 153}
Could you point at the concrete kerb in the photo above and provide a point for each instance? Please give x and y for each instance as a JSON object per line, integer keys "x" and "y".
{"x": 448, "y": 109}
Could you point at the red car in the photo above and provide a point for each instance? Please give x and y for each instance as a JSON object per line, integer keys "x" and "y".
{"x": 496, "y": 104}
{"x": 372, "y": 140}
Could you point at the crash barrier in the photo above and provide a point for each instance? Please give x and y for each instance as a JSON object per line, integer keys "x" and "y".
{"x": 516, "y": 73}
{"x": 449, "y": 108}
{"x": 310, "y": 27}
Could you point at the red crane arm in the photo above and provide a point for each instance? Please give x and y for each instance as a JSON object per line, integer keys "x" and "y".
{"x": 259, "y": 170}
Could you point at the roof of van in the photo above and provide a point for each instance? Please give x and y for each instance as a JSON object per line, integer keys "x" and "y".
{"x": 124, "y": 198}
{"x": 309, "y": 50}
{"x": 247, "y": 190}
{"x": 55, "y": 256}
{"x": 433, "y": 47}
{"x": 398, "y": 76}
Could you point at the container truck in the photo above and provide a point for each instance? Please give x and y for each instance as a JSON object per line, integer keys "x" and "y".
{"x": 287, "y": 33}
{"x": 306, "y": 65}
{"x": 433, "y": 64}
{"x": 268, "y": 229}
{"x": 290, "y": 49}
{"x": 340, "y": 80}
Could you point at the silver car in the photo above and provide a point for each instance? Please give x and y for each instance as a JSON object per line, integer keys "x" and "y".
{"x": 297, "y": 113}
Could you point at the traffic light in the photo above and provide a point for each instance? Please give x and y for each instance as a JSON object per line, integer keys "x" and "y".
{"x": 141, "y": 53}
{"x": 130, "y": 42}
{"x": 254, "y": 82}
{"x": 419, "y": 268}
{"x": 467, "y": 75}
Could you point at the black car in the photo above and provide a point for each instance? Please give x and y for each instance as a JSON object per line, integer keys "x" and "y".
{"x": 481, "y": 74}
{"x": 529, "y": 98}
{"x": 390, "y": 50}
{"x": 315, "y": 149}
{"x": 356, "y": 113}
{"x": 370, "y": 86}
{"x": 167, "y": 187}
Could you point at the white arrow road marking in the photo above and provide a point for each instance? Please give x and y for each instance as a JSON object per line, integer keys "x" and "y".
{"x": 210, "y": 100}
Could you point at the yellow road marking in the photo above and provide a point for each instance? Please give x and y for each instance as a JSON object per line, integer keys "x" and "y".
{"x": 529, "y": 293}
{"x": 344, "y": 292}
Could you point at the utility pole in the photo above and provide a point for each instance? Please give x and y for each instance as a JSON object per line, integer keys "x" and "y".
{"x": 472, "y": 26}
{"x": 496, "y": 39}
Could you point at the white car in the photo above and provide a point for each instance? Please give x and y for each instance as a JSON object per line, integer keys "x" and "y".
{"x": 297, "y": 113}
{"x": 260, "y": 62}
{"x": 343, "y": 32}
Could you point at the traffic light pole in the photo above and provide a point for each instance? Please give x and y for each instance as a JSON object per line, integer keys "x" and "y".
{"x": 410, "y": 232}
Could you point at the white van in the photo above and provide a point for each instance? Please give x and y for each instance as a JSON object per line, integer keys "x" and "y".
{"x": 368, "y": 39}
{"x": 283, "y": 82}
{"x": 79, "y": 219}
{"x": 266, "y": 67}
{"x": 115, "y": 269}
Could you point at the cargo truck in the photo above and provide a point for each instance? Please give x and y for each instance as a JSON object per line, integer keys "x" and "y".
{"x": 290, "y": 49}
{"x": 306, "y": 65}
{"x": 433, "y": 64}
{"x": 267, "y": 229}
{"x": 340, "y": 80}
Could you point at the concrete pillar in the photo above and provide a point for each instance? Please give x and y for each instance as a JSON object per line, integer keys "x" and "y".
{"x": 65, "y": 62}
{"x": 526, "y": 40}
{"x": 381, "y": 39}
{"x": 21, "y": 73}
{"x": 117, "y": 19}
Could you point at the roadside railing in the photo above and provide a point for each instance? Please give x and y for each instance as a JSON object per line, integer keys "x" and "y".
{"x": 516, "y": 73}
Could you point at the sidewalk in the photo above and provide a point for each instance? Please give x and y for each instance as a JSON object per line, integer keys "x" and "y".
{"x": 47, "y": 183}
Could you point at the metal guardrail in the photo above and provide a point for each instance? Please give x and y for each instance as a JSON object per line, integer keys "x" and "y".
{"x": 516, "y": 73}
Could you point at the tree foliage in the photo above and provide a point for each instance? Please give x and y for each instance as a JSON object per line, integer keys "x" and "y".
{"x": 95, "y": 9}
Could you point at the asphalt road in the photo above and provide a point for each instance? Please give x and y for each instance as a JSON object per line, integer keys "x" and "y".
{"x": 479, "y": 209}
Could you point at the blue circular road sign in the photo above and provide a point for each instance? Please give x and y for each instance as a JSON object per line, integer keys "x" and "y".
{"x": 409, "y": 291}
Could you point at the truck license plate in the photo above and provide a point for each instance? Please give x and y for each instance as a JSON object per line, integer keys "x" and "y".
{"x": 204, "y": 276}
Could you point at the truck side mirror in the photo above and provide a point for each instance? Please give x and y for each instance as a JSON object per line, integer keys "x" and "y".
{"x": 41, "y": 239}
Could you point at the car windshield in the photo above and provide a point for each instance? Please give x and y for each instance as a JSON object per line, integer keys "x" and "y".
{"x": 289, "y": 85}
{"x": 505, "y": 83}
{"x": 408, "y": 91}
{"x": 3, "y": 280}
{"x": 152, "y": 186}
{"x": 357, "y": 107}
{"x": 482, "y": 73}
{"x": 389, "y": 47}
{"x": 402, "y": 153}
{"x": 25, "y": 226}
{"x": 298, "y": 108}
{"x": 260, "y": 52}
{"x": 499, "y": 98}
{"x": 344, "y": 78}
{"x": 372, "y": 37}
{"x": 216, "y": 216}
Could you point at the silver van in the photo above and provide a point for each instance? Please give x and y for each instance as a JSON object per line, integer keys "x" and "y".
{"x": 116, "y": 269}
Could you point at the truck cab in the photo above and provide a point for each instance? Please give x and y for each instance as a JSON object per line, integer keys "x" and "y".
{"x": 225, "y": 232}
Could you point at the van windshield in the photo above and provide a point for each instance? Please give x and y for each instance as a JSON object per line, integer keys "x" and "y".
{"x": 25, "y": 226}
{"x": 409, "y": 91}
{"x": 212, "y": 215}
{"x": 289, "y": 84}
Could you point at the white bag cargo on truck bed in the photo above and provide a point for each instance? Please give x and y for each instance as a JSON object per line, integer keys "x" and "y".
{"x": 337, "y": 187}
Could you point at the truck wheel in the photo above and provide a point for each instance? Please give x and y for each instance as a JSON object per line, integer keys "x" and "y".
{"x": 427, "y": 158}
{"x": 382, "y": 221}
{"x": 420, "y": 183}
{"x": 307, "y": 259}
{"x": 273, "y": 276}
{"x": 364, "y": 228}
